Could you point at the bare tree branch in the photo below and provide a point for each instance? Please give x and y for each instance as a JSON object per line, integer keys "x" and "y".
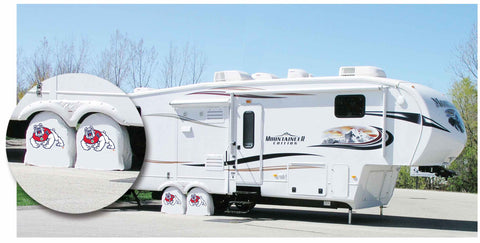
{"x": 114, "y": 63}
{"x": 143, "y": 64}
{"x": 71, "y": 59}
{"x": 41, "y": 62}
{"x": 467, "y": 61}
{"x": 185, "y": 67}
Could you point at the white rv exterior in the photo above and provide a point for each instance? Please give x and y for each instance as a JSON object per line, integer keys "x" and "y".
{"x": 303, "y": 140}
{"x": 314, "y": 141}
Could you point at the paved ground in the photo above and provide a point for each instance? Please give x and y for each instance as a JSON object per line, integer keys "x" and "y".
{"x": 72, "y": 190}
{"x": 411, "y": 213}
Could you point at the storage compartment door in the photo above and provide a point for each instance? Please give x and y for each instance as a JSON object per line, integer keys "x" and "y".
{"x": 339, "y": 181}
{"x": 307, "y": 179}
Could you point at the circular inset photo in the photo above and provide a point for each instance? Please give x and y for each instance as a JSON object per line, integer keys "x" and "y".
{"x": 75, "y": 143}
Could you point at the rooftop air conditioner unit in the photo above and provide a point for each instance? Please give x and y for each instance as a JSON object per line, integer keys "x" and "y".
{"x": 264, "y": 76}
{"x": 225, "y": 76}
{"x": 298, "y": 73}
{"x": 363, "y": 71}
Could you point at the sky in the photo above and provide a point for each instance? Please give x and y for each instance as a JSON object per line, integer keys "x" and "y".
{"x": 410, "y": 42}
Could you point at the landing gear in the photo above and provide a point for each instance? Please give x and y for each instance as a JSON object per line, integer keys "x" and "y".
{"x": 350, "y": 216}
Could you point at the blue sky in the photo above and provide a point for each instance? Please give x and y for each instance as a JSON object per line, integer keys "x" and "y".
{"x": 410, "y": 42}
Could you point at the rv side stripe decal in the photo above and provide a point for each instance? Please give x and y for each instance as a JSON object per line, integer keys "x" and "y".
{"x": 410, "y": 117}
{"x": 267, "y": 156}
{"x": 257, "y": 157}
{"x": 184, "y": 118}
{"x": 224, "y": 93}
{"x": 273, "y": 168}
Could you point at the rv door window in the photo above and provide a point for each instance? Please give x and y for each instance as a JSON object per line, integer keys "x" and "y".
{"x": 349, "y": 106}
{"x": 248, "y": 129}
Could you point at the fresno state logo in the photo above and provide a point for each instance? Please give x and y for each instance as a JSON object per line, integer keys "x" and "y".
{"x": 96, "y": 140}
{"x": 171, "y": 199}
{"x": 45, "y": 137}
{"x": 196, "y": 200}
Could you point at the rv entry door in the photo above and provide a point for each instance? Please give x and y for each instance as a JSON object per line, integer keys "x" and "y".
{"x": 249, "y": 159}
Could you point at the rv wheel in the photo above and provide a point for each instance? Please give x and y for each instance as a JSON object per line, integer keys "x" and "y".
{"x": 173, "y": 201}
{"x": 247, "y": 206}
{"x": 102, "y": 144}
{"x": 50, "y": 142}
{"x": 199, "y": 202}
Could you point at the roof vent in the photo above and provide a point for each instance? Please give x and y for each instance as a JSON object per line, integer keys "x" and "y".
{"x": 225, "y": 76}
{"x": 363, "y": 71}
{"x": 264, "y": 76}
{"x": 298, "y": 73}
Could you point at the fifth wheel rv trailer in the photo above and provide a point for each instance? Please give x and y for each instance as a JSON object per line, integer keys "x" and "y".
{"x": 334, "y": 142}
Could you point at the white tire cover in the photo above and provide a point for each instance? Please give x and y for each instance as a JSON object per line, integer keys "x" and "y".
{"x": 199, "y": 202}
{"x": 49, "y": 142}
{"x": 173, "y": 201}
{"x": 102, "y": 144}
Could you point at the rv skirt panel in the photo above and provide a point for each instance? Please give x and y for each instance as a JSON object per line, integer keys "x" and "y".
{"x": 102, "y": 144}
{"x": 49, "y": 142}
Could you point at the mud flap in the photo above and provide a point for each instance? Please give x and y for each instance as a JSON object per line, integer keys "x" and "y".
{"x": 49, "y": 142}
{"x": 199, "y": 202}
{"x": 173, "y": 201}
{"x": 102, "y": 144}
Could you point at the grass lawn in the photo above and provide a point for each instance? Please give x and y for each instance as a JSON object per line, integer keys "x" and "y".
{"x": 142, "y": 195}
{"x": 23, "y": 199}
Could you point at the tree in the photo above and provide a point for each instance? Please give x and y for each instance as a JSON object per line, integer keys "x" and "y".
{"x": 22, "y": 82}
{"x": 71, "y": 59}
{"x": 42, "y": 63}
{"x": 114, "y": 64}
{"x": 31, "y": 71}
{"x": 143, "y": 64}
{"x": 182, "y": 67}
{"x": 464, "y": 97}
{"x": 466, "y": 64}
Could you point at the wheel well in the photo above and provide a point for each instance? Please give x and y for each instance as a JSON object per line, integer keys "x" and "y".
{"x": 86, "y": 115}
{"x": 138, "y": 144}
{"x": 18, "y": 129}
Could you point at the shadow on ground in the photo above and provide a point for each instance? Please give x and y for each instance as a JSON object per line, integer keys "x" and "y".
{"x": 360, "y": 219}
{"x": 266, "y": 214}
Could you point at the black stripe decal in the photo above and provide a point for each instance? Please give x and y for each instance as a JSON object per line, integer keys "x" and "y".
{"x": 431, "y": 123}
{"x": 405, "y": 116}
{"x": 410, "y": 117}
{"x": 257, "y": 158}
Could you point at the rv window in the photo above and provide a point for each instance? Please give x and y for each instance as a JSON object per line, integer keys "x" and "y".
{"x": 248, "y": 129}
{"x": 348, "y": 106}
